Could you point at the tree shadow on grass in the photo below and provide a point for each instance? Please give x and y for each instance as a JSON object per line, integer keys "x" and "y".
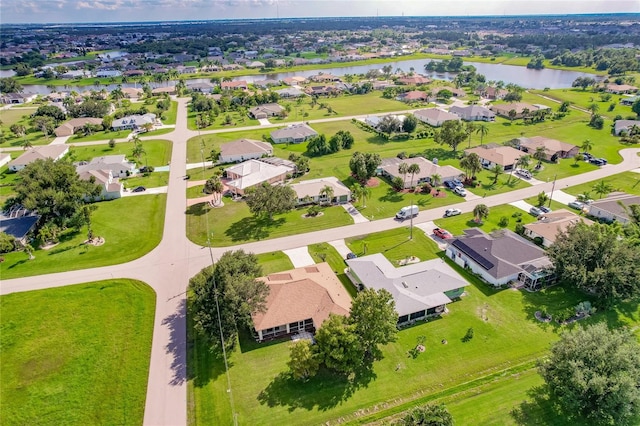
{"x": 538, "y": 410}
{"x": 440, "y": 154}
{"x": 197, "y": 209}
{"x": 391, "y": 196}
{"x": 253, "y": 228}
{"x": 323, "y": 392}
{"x": 177, "y": 346}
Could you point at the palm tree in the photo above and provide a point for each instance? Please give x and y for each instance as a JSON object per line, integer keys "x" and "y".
{"x": 470, "y": 127}
{"x": 584, "y": 197}
{"x": 436, "y": 179}
{"x": 471, "y": 164}
{"x": 540, "y": 154}
{"x": 497, "y": 170}
{"x": 138, "y": 151}
{"x": 214, "y": 186}
{"x": 483, "y": 130}
{"x": 413, "y": 170}
{"x": 594, "y": 108}
{"x": 602, "y": 188}
{"x": 327, "y": 193}
{"x": 403, "y": 169}
{"x": 586, "y": 146}
{"x": 481, "y": 211}
{"x": 360, "y": 192}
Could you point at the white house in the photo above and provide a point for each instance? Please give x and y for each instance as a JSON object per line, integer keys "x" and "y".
{"x": 54, "y": 152}
{"x": 419, "y": 290}
{"x": 116, "y": 164}
{"x": 133, "y": 121}
{"x": 111, "y": 188}
{"x": 610, "y": 208}
{"x": 309, "y": 191}
{"x": 295, "y": 133}
{"x": 473, "y": 113}
{"x": 244, "y": 149}
{"x": 435, "y": 117}
{"x": 390, "y": 168}
{"x": 253, "y": 172}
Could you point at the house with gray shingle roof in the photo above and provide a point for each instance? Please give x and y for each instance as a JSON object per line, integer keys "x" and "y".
{"x": 473, "y": 113}
{"x": 295, "y": 133}
{"x": 435, "y": 117}
{"x": 502, "y": 257}
{"x": 419, "y": 290}
{"x": 612, "y": 208}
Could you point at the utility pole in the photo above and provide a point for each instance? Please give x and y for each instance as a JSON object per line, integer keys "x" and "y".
{"x": 553, "y": 187}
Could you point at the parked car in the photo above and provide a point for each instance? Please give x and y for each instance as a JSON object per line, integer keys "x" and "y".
{"x": 453, "y": 183}
{"x": 586, "y": 156}
{"x": 598, "y": 161}
{"x": 578, "y": 205}
{"x": 544, "y": 209}
{"x": 442, "y": 234}
{"x": 351, "y": 255}
{"x": 139, "y": 189}
{"x": 535, "y": 211}
{"x": 524, "y": 173}
{"x": 452, "y": 212}
{"x": 460, "y": 191}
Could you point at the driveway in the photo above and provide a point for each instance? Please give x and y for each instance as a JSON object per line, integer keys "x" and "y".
{"x": 300, "y": 257}
{"x": 340, "y": 247}
{"x": 264, "y": 121}
{"x": 427, "y": 228}
{"x": 522, "y": 205}
{"x": 562, "y": 197}
{"x": 354, "y": 213}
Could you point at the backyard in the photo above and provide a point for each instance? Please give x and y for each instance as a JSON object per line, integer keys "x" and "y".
{"x": 157, "y": 152}
{"x": 508, "y": 340}
{"x": 127, "y": 237}
{"x": 76, "y": 355}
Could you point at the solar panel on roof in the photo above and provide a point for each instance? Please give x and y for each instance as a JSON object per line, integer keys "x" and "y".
{"x": 474, "y": 255}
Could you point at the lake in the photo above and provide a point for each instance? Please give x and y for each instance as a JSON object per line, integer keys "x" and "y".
{"x": 522, "y": 76}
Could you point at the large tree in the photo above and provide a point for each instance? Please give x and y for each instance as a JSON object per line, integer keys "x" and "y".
{"x": 427, "y": 415}
{"x": 232, "y": 281}
{"x": 375, "y": 319}
{"x": 303, "y": 360}
{"x": 594, "y": 373}
{"x": 452, "y": 133}
{"x": 338, "y": 345}
{"x": 363, "y": 166}
{"x": 594, "y": 258}
{"x": 54, "y": 189}
{"x": 471, "y": 164}
{"x": 10, "y": 85}
{"x": 268, "y": 199}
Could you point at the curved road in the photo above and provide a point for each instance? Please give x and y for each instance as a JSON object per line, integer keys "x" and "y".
{"x": 168, "y": 267}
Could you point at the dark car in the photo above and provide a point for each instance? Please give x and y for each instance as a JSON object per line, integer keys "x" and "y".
{"x": 351, "y": 255}
{"x": 139, "y": 189}
{"x": 544, "y": 209}
{"x": 598, "y": 161}
{"x": 586, "y": 156}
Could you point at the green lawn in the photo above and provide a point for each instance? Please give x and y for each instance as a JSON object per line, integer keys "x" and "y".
{"x": 457, "y": 224}
{"x": 195, "y": 191}
{"x": 19, "y": 116}
{"x": 131, "y": 227}
{"x": 506, "y": 336}
{"x": 158, "y": 132}
{"x": 395, "y": 244}
{"x": 628, "y": 182}
{"x": 234, "y": 224}
{"x": 76, "y": 355}
{"x": 273, "y": 262}
{"x": 158, "y": 152}
{"x": 154, "y": 180}
{"x": 100, "y": 136}
{"x": 8, "y": 179}
{"x": 585, "y": 98}
{"x": 237, "y": 119}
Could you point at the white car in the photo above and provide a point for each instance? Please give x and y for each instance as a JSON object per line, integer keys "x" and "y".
{"x": 524, "y": 173}
{"x": 460, "y": 191}
{"x": 452, "y": 212}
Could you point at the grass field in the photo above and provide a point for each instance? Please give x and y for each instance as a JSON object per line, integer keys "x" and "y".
{"x": 158, "y": 152}
{"x": 19, "y": 116}
{"x": 100, "y": 136}
{"x": 457, "y": 224}
{"x": 395, "y": 244}
{"x": 131, "y": 227}
{"x": 585, "y": 98}
{"x": 276, "y": 261}
{"x": 234, "y": 224}
{"x": 76, "y": 355}
{"x": 507, "y": 336}
{"x": 628, "y": 182}
{"x": 154, "y": 180}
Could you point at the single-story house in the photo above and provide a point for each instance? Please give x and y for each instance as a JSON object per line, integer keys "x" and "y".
{"x": 519, "y": 107}
{"x": 256, "y": 64}
{"x": 458, "y": 93}
{"x": 295, "y": 133}
{"x": 625, "y": 126}
{"x": 290, "y": 92}
{"x": 323, "y": 90}
{"x": 4, "y": 158}
{"x": 435, "y": 117}
{"x": 294, "y": 81}
{"x": 18, "y": 98}
{"x": 413, "y": 80}
{"x": 244, "y": 149}
{"x": 490, "y": 155}
{"x": 374, "y": 120}
{"x": 233, "y": 85}
{"x": 501, "y": 258}
{"x": 419, "y": 290}
{"x": 253, "y": 172}
{"x": 549, "y": 225}
{"x": 413, "y": 96}
{"x": 620, "y": 89}
{"x": 629, "y": 100}
{"x": 132, "y": 92}
{"x": 300, "y": 299}
{"x": 18, "y": 225}
{"x": 133, "y": 121}
{"x": 171, "y": 90}
{"x": 117, "y": 164}
{"x": 54, "y": 152}
{"x": 389, "y": 168}
{"x": 490, "y": 92}
{"x": 554, "y": 149}
{"x": 473, "y": 113}
{"x": 201, "y": 87}
{"x": 610, "y": 209}
{"x": 71, "y": 126}
{"x": 108, "y": 73}
{"x": 265, "y": 110}
{"x": 309, "y": 191}
{"x": 111, "y": 188}
{"x": 321, "y": 77}
{"x": 266, "y": 83}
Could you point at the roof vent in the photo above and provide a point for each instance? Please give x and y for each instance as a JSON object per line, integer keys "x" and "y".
{"x": 404, "y": 284}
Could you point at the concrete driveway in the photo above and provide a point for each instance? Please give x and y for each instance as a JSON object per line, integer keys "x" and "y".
{"x": 340, "y": 247}
{"x": 428, "y": 228}
{"x": 522, "y": 205}
{"x": 354, "y": 213}
{"x": 300, "y": 257}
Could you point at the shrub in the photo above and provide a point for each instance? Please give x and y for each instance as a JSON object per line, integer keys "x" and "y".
{"x": 504, "y": 222}
{"x": 313, "y": 211}
{"x": 397, "y": 183}
{"x": 519, "y": 228}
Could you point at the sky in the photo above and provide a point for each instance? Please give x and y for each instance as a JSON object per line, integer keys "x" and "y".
{"x": 79, "y": 11}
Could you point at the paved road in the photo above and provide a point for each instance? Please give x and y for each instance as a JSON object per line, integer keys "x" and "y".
{"x": 168, "y": 267}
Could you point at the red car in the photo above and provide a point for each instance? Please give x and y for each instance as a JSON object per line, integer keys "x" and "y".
{"x": 442, "y": 233}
